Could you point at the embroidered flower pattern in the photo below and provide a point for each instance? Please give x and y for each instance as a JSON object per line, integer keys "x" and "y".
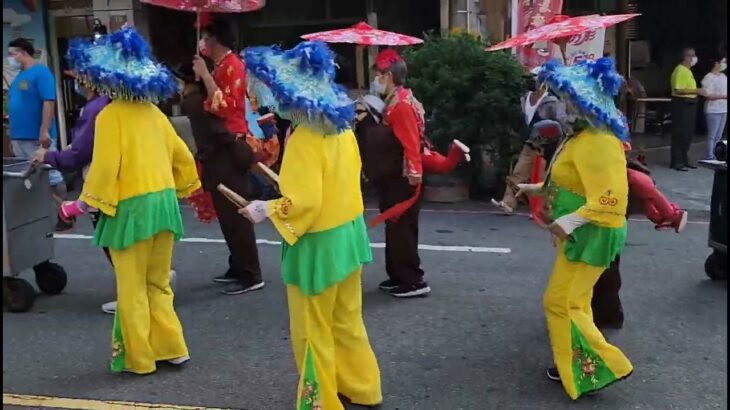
{"x": 607, "y": 199}
{"x": 588, "y": 364}
{"x": 284, "y": 206}
{"x": 117, "y": 349}
{"x": 310, "y": 396}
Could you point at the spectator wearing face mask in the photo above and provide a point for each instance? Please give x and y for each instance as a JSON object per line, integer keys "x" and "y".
{"x": 537, "y": 106}
{"x": 684, "y": 110}
{"x": 31, "y": 106}
{"x": 715, "y": 86}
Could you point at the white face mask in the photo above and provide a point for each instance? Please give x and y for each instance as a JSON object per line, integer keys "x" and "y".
{"x": 13, "y": 63}
{"x": 723, "y": 65}
{"x": 377, "y": 88}
{"x": 694, "y": 61}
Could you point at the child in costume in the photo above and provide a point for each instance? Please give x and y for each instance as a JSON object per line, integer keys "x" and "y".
{"x": 320, "y": 217}
{"x": 587, "y": 194}
{"x": 138, "y": 171}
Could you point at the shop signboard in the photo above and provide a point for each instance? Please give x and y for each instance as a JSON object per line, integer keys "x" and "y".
{"x": 529, "y": 15}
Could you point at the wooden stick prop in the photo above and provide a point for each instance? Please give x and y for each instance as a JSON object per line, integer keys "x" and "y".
{"x": 236, "y": 199}
{"x": 269, "y": 174}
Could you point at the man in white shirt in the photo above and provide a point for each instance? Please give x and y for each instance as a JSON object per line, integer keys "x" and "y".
{"x": 715, "y": 86}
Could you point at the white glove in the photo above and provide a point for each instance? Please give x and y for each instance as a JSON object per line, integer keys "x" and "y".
{"x": 528, "y": 189}
{"x": 256, "y": 211}
{"x": 570, "y": 222}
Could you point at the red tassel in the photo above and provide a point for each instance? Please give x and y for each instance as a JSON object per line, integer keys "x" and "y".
{"x": 536, "y": 201}
{"x": 393, "y": 213}
{"x": 202, "y": 202}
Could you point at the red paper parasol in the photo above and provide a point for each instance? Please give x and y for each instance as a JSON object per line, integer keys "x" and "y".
{"x": 364, "y": 35}
{"x": 210, "y": 6}
{"x": 565, "y": 28}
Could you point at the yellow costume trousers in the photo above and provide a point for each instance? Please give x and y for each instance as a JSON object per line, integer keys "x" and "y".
{"x": 146, "y": 327}
{"x": 585, "y": 361}
{"x": 331, "y": 347}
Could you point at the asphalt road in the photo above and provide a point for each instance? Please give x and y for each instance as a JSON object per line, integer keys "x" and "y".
{"x": 478, "y": 342}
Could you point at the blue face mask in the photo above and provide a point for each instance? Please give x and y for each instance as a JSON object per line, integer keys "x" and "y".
{"x": 79, "y": 90}
{"x": 13, "y": 63}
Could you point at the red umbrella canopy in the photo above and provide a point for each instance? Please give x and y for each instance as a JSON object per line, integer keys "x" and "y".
{"x": 364, "y": 35}
{"x": 562, "y": 28}
{"x": 210, "y": 6}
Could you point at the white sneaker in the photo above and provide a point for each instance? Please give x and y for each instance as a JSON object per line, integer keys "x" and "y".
{"x": 111, "y": 307}
{"x": 179, "y": 360}
{"x": 504, "y": 207}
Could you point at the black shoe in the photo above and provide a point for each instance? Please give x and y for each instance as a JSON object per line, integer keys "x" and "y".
{"x": 552, "y": 374}
{"x": 227, "y": 278}
{"x": 680, "y": 169}
{"x": 690, "y": 166}
{"x": 241, "y": 287}
{"x": 389, "y": 284}
{"x": 411, "y": 291}
{"x": 347, "y": 402}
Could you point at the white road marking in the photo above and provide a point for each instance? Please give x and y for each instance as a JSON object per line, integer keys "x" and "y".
{"x": 376, "y": 245}
{"x": 49, "y": 402}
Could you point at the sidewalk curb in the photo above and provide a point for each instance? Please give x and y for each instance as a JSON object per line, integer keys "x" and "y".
{"x": 660, "y": 155}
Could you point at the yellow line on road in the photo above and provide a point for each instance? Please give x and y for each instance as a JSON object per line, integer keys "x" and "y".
{"x": 84, "y": 404}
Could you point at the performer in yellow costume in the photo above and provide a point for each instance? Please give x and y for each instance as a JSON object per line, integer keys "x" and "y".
{"x": 140, "y": 168}
{"x": 587, "y": 190}
{"x": 320, "y": 217}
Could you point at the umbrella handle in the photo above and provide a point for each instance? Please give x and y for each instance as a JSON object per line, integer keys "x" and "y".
{"x": 197, "y": 33}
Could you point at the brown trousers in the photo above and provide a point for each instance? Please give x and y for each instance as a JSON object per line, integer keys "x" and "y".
{"x": 520, "y": 174}
{"x": 402, "y": 262}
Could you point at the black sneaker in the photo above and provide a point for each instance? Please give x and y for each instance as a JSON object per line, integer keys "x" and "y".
{"x": 691, "y": 166}
{"x": 241, "y": 287}
{"x": 411, "y": 291}
{"x": 552, "y": 374}
{"x": 388, "y": 284}
{"x": 227, "y": 278}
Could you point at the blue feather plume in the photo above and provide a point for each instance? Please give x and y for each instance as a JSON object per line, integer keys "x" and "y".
{"x": 299, "y": 83}
{"x": 121, "y": 66}
{"x": 591, "y": 86}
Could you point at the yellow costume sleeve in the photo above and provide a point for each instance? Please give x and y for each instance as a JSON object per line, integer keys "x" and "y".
{"x": 184, "y": 170}
{"x": 600, "y": 161}
{"x": 101, "y": 188}
{"x": 300, "y": 183}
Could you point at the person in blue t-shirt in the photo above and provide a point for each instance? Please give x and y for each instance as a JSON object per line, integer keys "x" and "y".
{"x": 31, "y": 108}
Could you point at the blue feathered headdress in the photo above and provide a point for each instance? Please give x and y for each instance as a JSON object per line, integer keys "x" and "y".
{"x": 591, "y": 87}
{"x": 120, "y": 65}
{"x": 298, "y": 84}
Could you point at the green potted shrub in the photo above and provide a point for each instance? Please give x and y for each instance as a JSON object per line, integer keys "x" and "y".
{"x": 473, "y": 96}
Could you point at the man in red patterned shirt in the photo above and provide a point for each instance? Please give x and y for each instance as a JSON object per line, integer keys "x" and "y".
{"x": 226, "y": 91}
{"x": 400, "y": 199}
